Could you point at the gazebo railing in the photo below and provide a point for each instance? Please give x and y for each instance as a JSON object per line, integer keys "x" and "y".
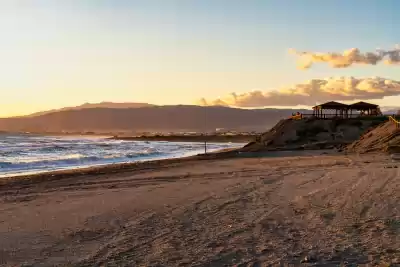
{"x": 330, "y": 116}
{"x": 395, "y": 119}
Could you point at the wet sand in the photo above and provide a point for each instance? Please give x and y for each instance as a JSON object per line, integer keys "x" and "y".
{"x": 328, "y": 209}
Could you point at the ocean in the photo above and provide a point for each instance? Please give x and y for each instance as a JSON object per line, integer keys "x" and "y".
{"x": 28, "y": 154}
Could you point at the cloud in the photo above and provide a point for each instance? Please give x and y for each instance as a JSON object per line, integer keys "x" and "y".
{"x": 313, "y": 92}
{"x": 347, "y": 58}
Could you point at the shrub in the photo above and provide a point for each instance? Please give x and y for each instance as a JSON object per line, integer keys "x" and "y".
{"x": 311, "y": 131}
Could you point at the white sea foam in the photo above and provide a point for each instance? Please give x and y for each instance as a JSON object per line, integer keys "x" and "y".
{"x": 20, "y": 154}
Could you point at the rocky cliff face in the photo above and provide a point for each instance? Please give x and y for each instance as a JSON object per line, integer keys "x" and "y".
{"x": 312, "y": 134}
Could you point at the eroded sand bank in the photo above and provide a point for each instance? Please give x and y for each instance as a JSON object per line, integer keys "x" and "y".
{"x": 245, "y": 212}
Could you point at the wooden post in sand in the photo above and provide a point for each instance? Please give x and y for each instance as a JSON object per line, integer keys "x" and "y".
{"x": 205, "y": 130}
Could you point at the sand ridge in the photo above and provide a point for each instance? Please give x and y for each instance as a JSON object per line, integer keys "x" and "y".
{"x": 384, "y": 138}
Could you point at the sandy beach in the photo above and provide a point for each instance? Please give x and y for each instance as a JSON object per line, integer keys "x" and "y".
{"x": 322, "y": 210}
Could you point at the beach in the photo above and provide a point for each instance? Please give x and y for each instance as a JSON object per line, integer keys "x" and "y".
{"x": 322, "y": 209}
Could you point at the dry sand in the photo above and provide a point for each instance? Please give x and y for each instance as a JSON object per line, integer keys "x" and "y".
{"x": 243, "y": 212}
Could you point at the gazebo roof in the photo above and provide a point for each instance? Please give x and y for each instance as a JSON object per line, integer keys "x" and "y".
{"x": 332, "y": 105}
{"x": 363, "y": 106}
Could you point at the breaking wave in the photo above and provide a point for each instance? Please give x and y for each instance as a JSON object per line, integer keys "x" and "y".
{"x": 29, "y": 154}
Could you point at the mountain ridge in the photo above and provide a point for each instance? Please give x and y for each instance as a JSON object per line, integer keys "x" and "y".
{"x": 110, "y": 117}
{"x": 171, "y": 118}
{"x": 103, "y": 104}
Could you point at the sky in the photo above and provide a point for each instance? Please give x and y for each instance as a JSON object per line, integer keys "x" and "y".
{"x": 68, "y": 52}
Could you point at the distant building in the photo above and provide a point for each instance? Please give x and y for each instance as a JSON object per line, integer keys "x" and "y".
{"x": 334, "y": 109}
{"x": 365, "y": 109}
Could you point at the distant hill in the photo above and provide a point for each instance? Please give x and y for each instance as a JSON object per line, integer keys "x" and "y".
{"x": 391, "y": 110}
{"x": 146, "y": 118}
{"x": 95, "y": 105}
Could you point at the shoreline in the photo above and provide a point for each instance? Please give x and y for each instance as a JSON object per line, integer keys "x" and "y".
{"x": 126, "y": 167}
{"x": 7, "y": 171}
{"x": 115, "y": 168}
{"x": 194, "y": 139}
{"x": 239, "y": 138}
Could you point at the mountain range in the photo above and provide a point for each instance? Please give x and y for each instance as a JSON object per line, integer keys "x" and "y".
{"x": 122, "y": 118}
{"x": 107, "y": 117}
{"x": 390, "y": 110}
{"x": 95, "y": 105}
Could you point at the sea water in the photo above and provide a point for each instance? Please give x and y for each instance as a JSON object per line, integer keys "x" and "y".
{"x": 26, "y": 154}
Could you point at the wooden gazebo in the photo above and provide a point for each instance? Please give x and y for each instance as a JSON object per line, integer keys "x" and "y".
{"x": 332, "y": 109}
{"x": 365, "y": 109}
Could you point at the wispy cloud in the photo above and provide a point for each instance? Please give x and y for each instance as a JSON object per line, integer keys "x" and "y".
{"x": 313, "y": 92}
{"x": 347, "y": 58}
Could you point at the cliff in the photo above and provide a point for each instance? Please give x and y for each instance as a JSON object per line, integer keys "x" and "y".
{"x": 312, "y": 134}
